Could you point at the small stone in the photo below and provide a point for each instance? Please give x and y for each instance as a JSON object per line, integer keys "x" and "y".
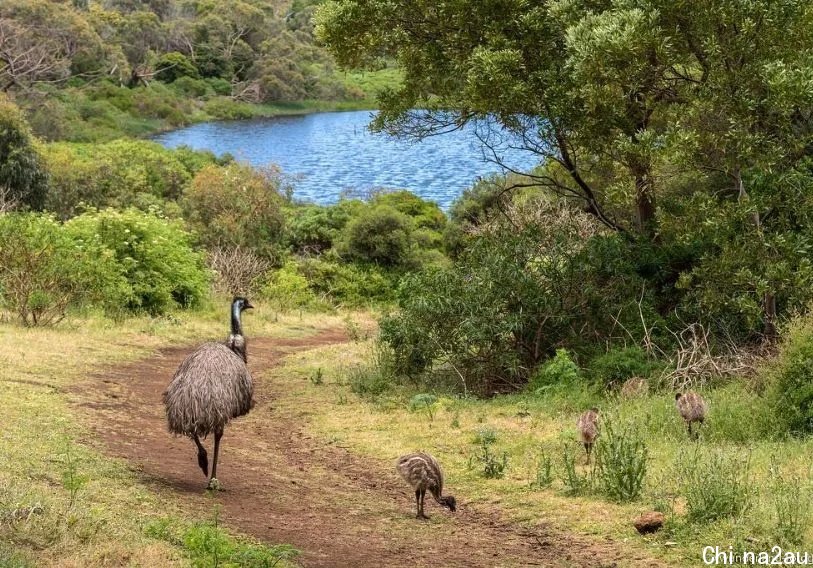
{"x": 649, "y": 522}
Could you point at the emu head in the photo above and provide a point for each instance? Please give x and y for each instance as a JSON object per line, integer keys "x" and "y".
{"x": 241, "y": 303}
{"x": 449, "y": 502}
{"x": 678, "y": 396}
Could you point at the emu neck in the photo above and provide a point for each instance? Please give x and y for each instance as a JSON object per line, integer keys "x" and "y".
{"x": 236, "y": 325}
{"x": 237, "y": 342}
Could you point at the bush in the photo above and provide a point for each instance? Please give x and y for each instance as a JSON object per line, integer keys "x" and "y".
{"x": 792, "y": 379}
{"x": 379, "y": 235}
{"x": 347, "y": 284}
{"x": 173, "y": 65}
{"x": 287, "y": 289}
{"x": 510, "y": 300}
{"x": 621, "y": 461}
{"x": 236, "y": 205}
{"x": 44, "y": 271}
{"x": 158, "y": 262}
{"x": 489, "y": 462}
{"x": 617, "y": 365}
{"x": 558, "y": 370}
{"x": 715, "y": 485}
{"x": 21, "y": 168}
{"x": 116, "y": 174}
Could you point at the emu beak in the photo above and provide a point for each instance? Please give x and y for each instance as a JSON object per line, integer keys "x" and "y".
{"x": 247, "y": 306}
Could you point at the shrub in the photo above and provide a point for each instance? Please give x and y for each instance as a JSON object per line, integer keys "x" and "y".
{"x": 558, "y": 370}
{"x": 313, "y": 229}
{"x": 424, "y": 402}
{"x": 543, "y": 475}
{"x": 236, "y": 205}
{"x": 115, "y": 174}
{"x": 575, "y": 483}
{"x": 489, "y": 462}
{"x": 159, "y": 264}
{"x": 237, "y": 270}
{"x": 44, "y": 271}
{"x": 510, "y": 300}
{"x": 617, "y": 365}
{"x": 621, "y": 461}
{"x": 374, "y": 378}
{"x": 424, "y": 214}
{"x": 379, "y": 235}
{"x": 347, "y": 284}
{"x": 173, "y": 65}
{"x": 287, "y": 289}
{"x": 715, "y": 485}
{"x": 21, "y": 168}
{"x": 792, "y": 379}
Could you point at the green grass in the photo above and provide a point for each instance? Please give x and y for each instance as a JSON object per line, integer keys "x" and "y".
{"x": 741, "y": 504}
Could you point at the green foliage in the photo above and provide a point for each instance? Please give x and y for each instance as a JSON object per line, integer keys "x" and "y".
{"x": 286, "y": 289}
{"x": 380, "y": 235}
{"x": 347, "y": 284}
{"x": 424, "y": 402}
{"x": 617, "y": 365}
{"x": 543, "y": 474}
{"x": 22, "y": 174}
{"x": 791, "y": 391}
{"x": 44, "y": 271}
{"x": 792, "y": 510}
{"x": 488, "y": 462}
{"x": 159, "y": 265}
{"x": 510, "y": 300}
{"x": 715, "y": 484}
{"x": 576, "y": 483}
{"x": 621, "y": 461}
{"x": 208, "y": 545}
{"x": 485, "y": 435}
{"x": 560, "y": 369}
{"x": 235, "y": 205}
{"x": 173, "y": 65}
{"x": 118, "y": 174}
{"x": 374, "y": 378}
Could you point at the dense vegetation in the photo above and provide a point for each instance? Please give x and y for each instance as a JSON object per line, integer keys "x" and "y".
{"x": 678, "y": 138}
{"x": 94, "y": 70}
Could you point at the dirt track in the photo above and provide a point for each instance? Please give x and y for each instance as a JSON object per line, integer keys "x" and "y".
{"x": 282, "y": 486}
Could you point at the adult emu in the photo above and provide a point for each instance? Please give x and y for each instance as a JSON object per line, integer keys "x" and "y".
{"x": 211, "y": 387}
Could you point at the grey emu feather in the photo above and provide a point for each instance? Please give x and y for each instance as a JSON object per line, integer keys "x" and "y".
{"x": 212, "y": 386}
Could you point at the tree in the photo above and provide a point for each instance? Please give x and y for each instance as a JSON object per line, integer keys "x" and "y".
{"x": 23, "y": 179}
{"x": 632, "y": 106}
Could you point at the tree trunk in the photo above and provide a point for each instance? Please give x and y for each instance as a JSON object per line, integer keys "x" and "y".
{"x": 644, "y": 199}
{"x": 769, "y": 299}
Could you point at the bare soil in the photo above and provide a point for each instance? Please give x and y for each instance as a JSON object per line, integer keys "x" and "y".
{"x": 280, "y": 485}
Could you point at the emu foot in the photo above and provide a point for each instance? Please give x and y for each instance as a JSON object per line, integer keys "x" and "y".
{"x": 421, "y": 517}
{"x": 214, "y": 485}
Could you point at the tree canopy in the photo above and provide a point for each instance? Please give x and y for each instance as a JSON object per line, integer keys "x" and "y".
{"x": 658, "y": 118}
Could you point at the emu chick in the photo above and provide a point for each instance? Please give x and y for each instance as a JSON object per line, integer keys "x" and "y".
{"x": 423, "y": 472}
{"x": 588, "y": 429}
{"x": 692, "y": 408}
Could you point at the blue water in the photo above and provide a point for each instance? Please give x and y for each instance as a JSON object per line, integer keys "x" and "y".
{"x": 333, "y": 152}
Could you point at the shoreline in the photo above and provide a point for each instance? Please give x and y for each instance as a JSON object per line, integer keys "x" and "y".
{"x": 271, "y": 110}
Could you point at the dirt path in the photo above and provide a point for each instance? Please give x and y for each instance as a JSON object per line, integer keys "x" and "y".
{"x": 282, "y": 486}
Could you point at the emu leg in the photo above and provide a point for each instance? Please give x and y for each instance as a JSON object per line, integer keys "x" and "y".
{"x": 588, "y": 447}
{"x": 218, "y": 435}
{"x": 422, "y": 514}
{"x": 418, "y": 503}
{"x": 203, "y": 459}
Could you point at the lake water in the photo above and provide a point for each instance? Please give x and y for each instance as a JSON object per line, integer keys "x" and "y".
{"x": 333, "y": 152}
